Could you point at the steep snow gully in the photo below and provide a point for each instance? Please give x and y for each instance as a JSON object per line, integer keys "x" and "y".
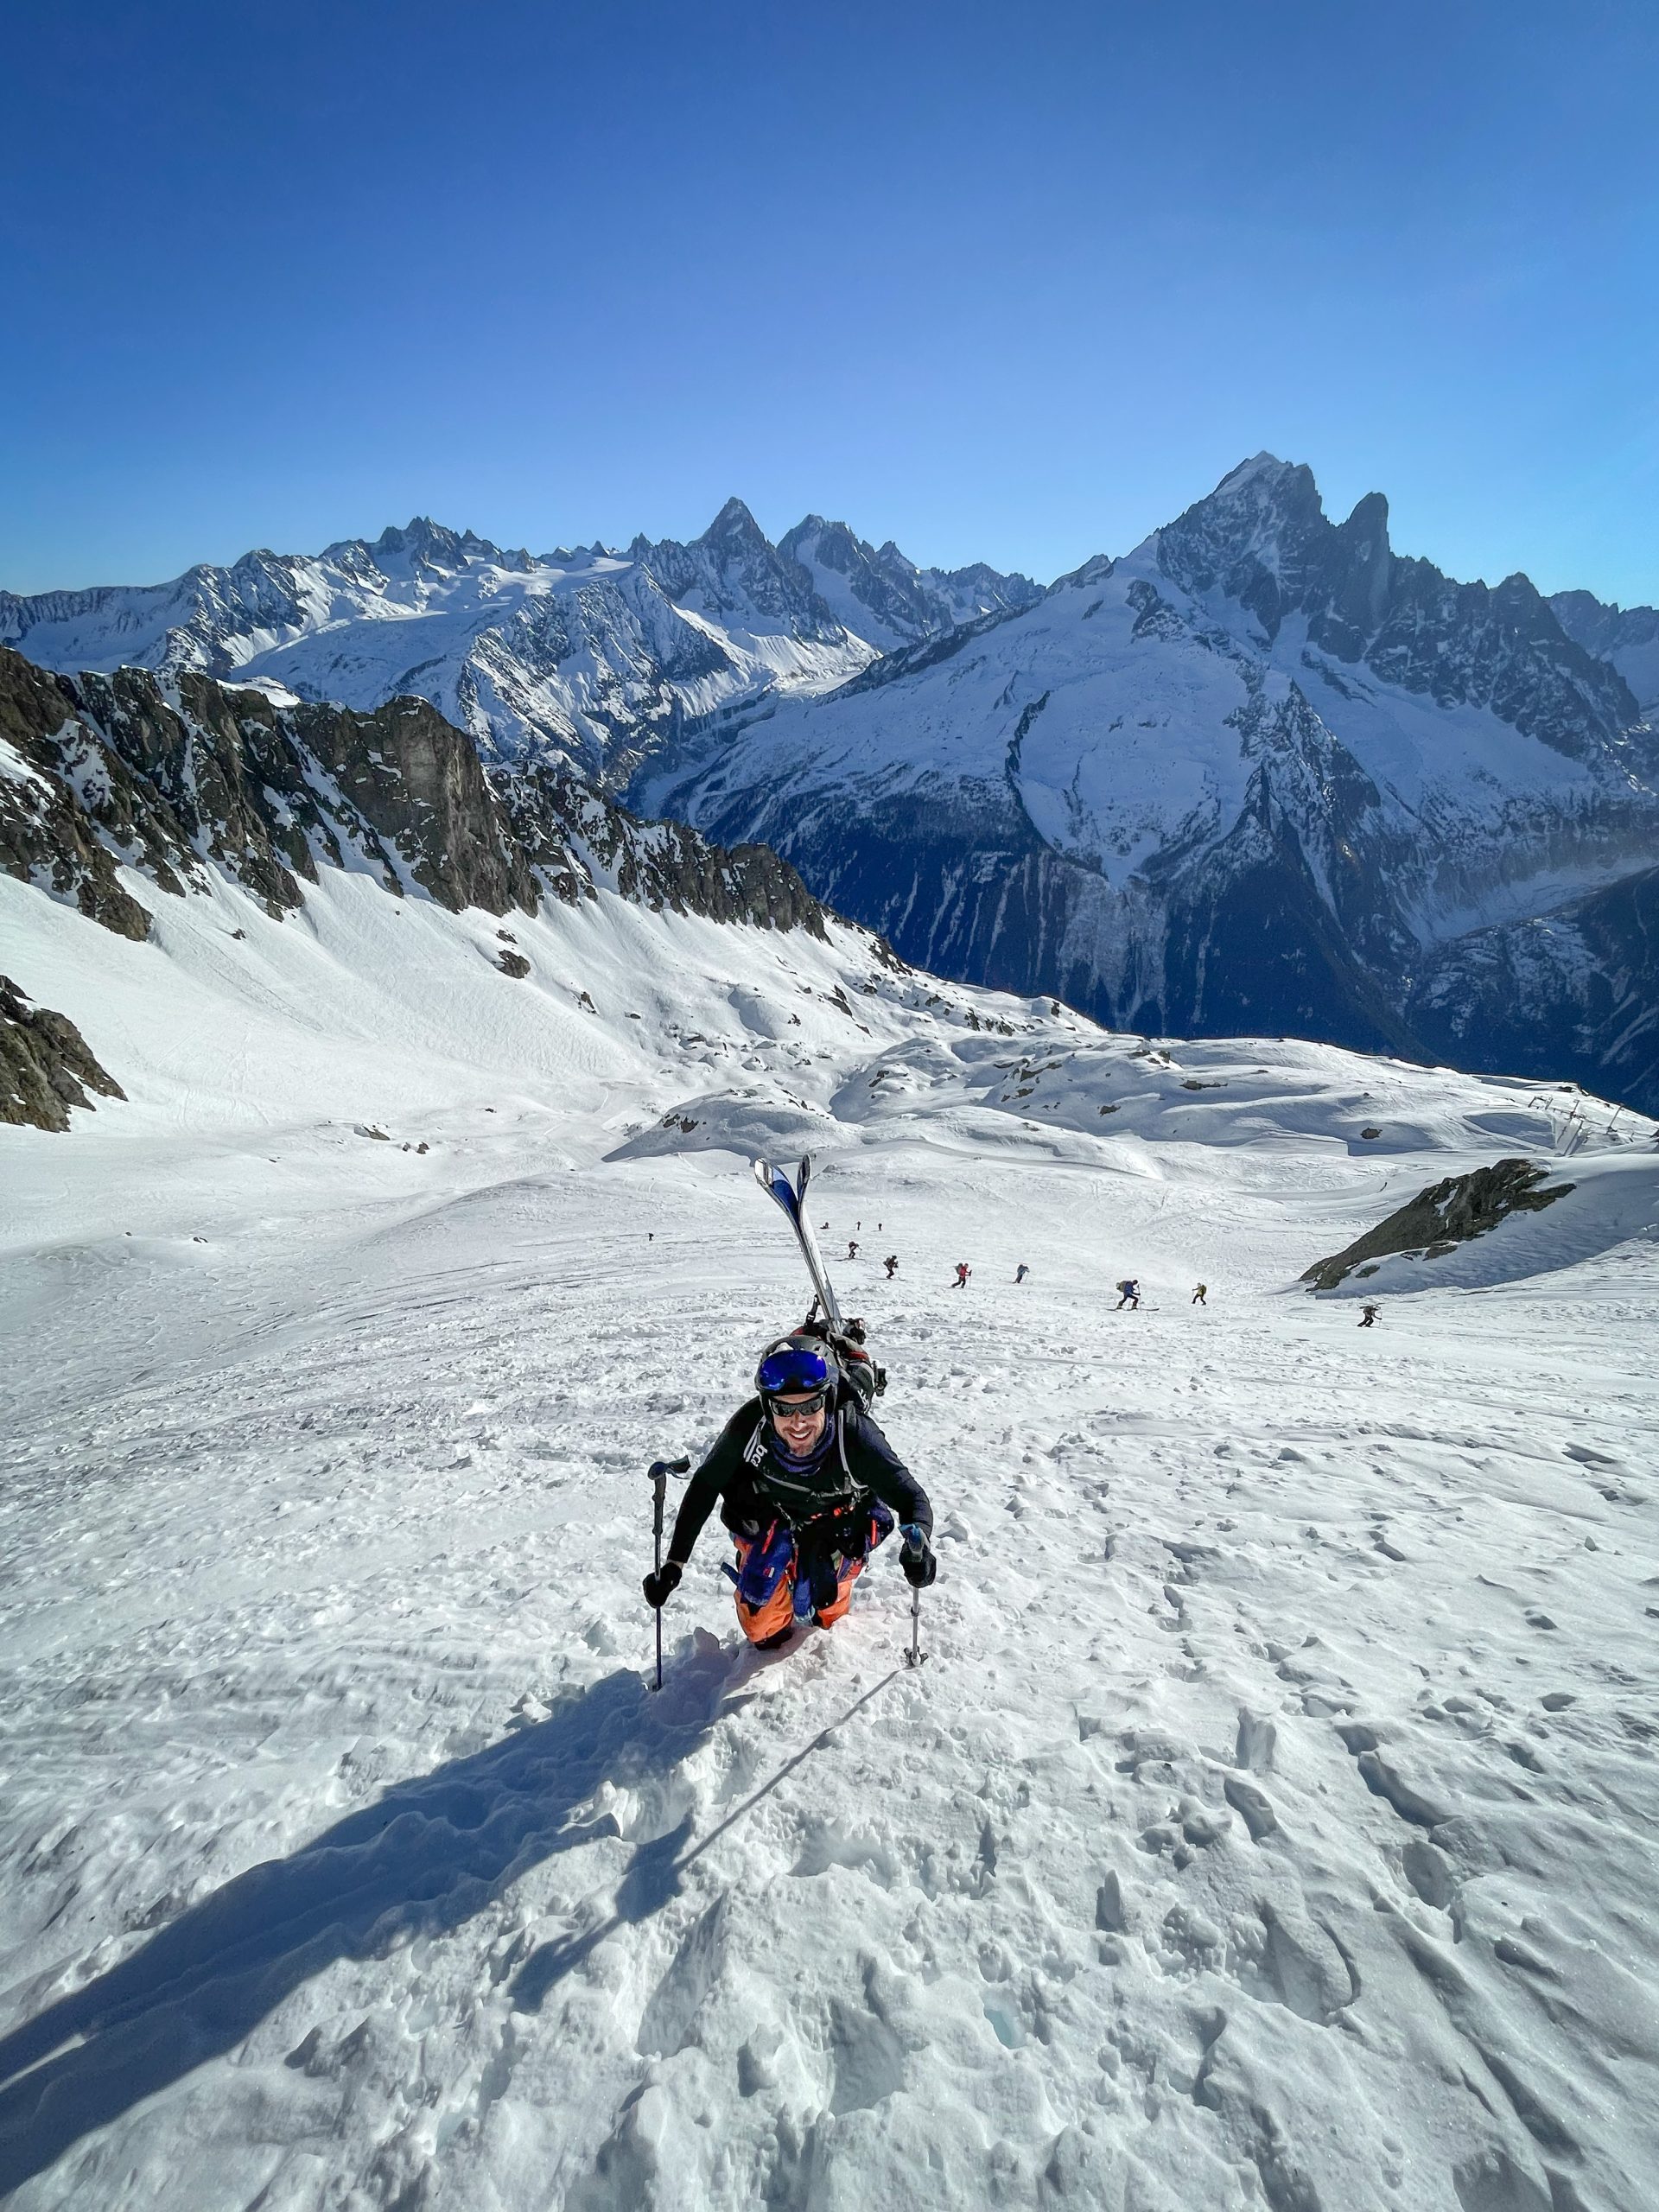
{"x": 1273, "y": 1823}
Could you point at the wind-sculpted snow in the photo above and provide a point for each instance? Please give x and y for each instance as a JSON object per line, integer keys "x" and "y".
{"x": 1271, "y": 1823}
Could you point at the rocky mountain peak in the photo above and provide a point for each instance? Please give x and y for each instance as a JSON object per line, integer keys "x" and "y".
{"x": 884, "y": 597}
{"x": 425, "y": 542}
{"x": 734, "y": 530}
{"x": 831, "y": 542}
{"x": 1250, "y": 539}
{"x": 1626, "y": 637}
{"x": 1262, "y": 540}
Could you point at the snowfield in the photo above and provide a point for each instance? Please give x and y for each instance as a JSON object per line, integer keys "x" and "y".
{"x": 1272, "y": 1824}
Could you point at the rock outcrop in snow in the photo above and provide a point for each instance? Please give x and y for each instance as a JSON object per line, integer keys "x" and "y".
{"x": 1447, "y": 1214}
{"x": 46, "y": 1065}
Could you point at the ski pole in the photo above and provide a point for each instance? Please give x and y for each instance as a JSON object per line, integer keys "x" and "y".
{"x": 660, "y": 1471}
{"x": 915, "y": 1656}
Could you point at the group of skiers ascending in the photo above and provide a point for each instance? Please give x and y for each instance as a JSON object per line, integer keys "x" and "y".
{"x": 807, "y": 1483}
{"x": 1129, "y": 1290}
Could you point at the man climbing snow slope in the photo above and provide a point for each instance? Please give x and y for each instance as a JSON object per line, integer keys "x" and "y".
{"x": 808, "y": 1485}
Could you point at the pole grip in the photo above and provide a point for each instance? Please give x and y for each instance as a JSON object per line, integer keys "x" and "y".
{"x": 659, "y": 1472}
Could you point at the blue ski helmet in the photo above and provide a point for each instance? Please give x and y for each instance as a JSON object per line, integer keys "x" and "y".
{"x": 792, "y": 1367}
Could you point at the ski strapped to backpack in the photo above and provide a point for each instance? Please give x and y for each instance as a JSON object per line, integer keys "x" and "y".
{"x": 840, "y": 1336}
{"x": 844, "y": 1347}
{"x": 791, "y": 1197}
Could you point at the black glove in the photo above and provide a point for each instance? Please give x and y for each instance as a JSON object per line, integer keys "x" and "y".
{"x": 660, "y": 1587}
{"x": 917, "y": 1558}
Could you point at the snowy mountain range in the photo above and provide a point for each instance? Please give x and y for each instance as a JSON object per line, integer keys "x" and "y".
{"x": 1261, "y": 773}
{"x": 588, "y": 658}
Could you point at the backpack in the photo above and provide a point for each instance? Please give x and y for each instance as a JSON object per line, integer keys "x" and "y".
{"x": 858, "y": 1374}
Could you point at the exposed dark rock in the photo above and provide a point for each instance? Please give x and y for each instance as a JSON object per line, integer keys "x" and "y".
{"x": 513, "y": 963}
{"x": 1443, "y": 1217}
{"x": 1572, "y": 992}
{"x": 576, "y": 839}
{"x": 419, "y": 785}
{"x": 123, "y": 772}
{"x": 67, "y": 804}
{"x": 112, "y": 769}
{"x": 46, "y": 1065}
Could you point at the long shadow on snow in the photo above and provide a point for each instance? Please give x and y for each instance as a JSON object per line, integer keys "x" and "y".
{"x": 421, "y": 1861}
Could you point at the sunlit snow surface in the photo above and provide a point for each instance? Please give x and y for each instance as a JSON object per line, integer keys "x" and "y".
{"x": 1272, "y": 1823}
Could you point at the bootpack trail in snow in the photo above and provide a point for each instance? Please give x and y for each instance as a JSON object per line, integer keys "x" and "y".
{"x": 1274, "y": 1826}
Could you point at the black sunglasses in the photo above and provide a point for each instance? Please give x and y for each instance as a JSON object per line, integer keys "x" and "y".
{"x": 780, "y": 1411}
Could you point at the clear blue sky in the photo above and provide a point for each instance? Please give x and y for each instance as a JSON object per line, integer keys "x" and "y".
{"x": 1012, "y": 284}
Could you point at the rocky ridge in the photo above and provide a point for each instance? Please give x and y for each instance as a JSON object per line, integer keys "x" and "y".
{"x": 1626, "y": 638}
{"x": 46, "y": 1065}
{"x": 885, "y": 598}
{"x": 97, "y": 771}
{"x": 1441, "y": 1218}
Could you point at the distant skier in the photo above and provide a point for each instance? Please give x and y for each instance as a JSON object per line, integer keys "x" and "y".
{"x": 807, "y": 1486}
{"x": 1200, "y": 1293}
{"x": 1368, "y": 1317}
{"x": 1129, "y": 1296}
{"x": 963, "y": 1273}
{"x": 1021, "y": 1272}
{"x": 891, "y": 1263}
{"x": 852, "y": 1248}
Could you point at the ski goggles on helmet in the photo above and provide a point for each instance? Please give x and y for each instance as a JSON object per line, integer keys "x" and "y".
{"x": 796, "y": 1371}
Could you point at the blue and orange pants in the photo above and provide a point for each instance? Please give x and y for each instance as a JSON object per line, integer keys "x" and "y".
{"x": 784, "y": 1575}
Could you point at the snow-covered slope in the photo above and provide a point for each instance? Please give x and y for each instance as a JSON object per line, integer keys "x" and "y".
{"x": 589, "y": 656}
{"x": 1272, "y": 1822}
{"x": 1253, "y": 775}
